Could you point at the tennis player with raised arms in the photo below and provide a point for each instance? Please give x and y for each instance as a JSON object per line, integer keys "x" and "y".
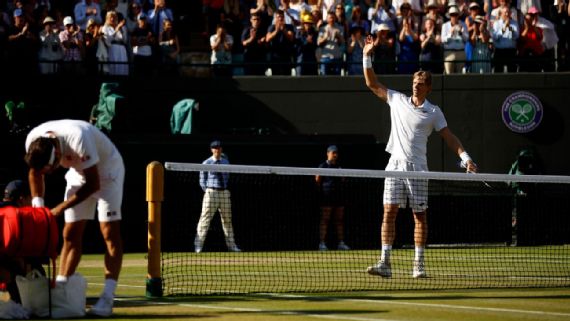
{"x": 94, "y": 183}
{"x": 413, "y": 119}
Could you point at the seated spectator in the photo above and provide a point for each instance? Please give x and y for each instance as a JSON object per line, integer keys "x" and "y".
{"x": 72, "y": 41}
{"x": 281, "y": 40}
{"x": 142, "y": 42}
{"x": 384, "y": 51}
{"x": 330, "y": 41}
{"x": 530, "y": 42}
{"x": 355, "y": 50}
{"x": 409, "y": 47}
{"x": 221, "y": 43}
{"x": 454, "y": 35}
{"x": 169, "y": 48}
{"x": 505, "y": 33}
{"x": 254, "y": 49}
{"x": 307, "y": 46}
{"x": 430, "y": 43}
{"x": 51, "y": 52}
{"x": 480, "y": 40}
{"x": 115, "y": 37}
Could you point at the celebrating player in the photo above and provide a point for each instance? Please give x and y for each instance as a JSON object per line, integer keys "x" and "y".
{"x": 94, "y": 181}
{"x": 413, "y": 119}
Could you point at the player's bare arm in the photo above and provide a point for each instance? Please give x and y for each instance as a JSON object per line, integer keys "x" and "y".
{"x": 455, "y": 145}
{"x": 377, "y": 88}
{"x": 91, "y": 186}
{"x": 36, "y": 180}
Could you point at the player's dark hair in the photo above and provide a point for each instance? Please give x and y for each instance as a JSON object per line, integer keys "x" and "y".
{"x": 39, "y": 152}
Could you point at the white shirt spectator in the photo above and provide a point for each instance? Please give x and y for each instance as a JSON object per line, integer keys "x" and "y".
{"x": 452, "y": 38}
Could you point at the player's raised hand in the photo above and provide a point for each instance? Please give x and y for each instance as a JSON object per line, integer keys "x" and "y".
{"x": 368, "y": 49}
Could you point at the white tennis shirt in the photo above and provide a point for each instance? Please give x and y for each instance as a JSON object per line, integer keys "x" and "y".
{"x": 82, "y": 145}
{"x": 411, "y": 127}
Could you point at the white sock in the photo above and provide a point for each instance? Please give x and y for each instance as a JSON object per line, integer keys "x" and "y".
{"x": 110, "y": 287}
{"x": 61, "y": 279}
{"x": 386, "y": 249}
{"x": 419, "y": 253}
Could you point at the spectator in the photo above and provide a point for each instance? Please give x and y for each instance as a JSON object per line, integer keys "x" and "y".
{"x": 523, "y": 6}
{"x": 454, "y": 35}
{"x": 357, "y": 19}
{"x": 292, "y": 16}
{"x": 414, "y": 21}
{"x": 480, "y": 39}
{"x": 161, "y": 12}
{"x": 505, "y": 34}
{"x": 281, "y": 39}
{"x": 85, "y": 10}
{"x": 216, "y": 198}
{"x": 496, "y": 13}
{"x": 433, "y": 10}
{"x": 409, "y": 44}
{"x": 327, "y": 6}
{"x": 332, "y": 201}
{"x": 265, "y": 13}
{"x": 115, "y": 36}
{"x": 470, "y": 23}
{"x": 211, "y": 10}
{"x": 462, "y": 7}
{"x": 530, "y": 42}
{"x": 382, "y": 13}
{"x": 221, "y": 43}
{"x": 51, "y": 52}
{"x": 317, "y": 17}
{"x": 430, "y": 43}
{"x": 72, "y": 41}
{"x": 17, "y": 194}
{"x": 549, "y": 40}
{"x": 330, "y": 40}
{"x": 384, "y": 51}
{"x": 354, "y": 50}
{"x": 415, "y": 6}
{"x": 142, "y": 41}
{"x": 133, "y": 12}
{"x": 94, "y": 39}
{"x": 307, "y": 46}
{"x": 561, "y": 17}
{"x": 341, "y": 20}
{"x": 254, "y": 49}
{"x": 169, "y": 48}
{"x": 22, "y": 46}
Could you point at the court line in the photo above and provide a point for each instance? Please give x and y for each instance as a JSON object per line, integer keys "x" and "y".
{"x": 428, "y": 305}
{"x": 256, "y": 310}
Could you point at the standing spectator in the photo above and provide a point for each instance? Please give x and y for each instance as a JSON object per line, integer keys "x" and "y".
{"x": 480, "y": 39}
{"x": 433, "y": 11}
{"x": 354, "y": 50}
{"x": 561, "y": 17}
{"x": 409, "y": 46}
{"x": 341, "y": 20}
{"x": 169, "y": 48}
{"x": 357, "y": 19}
{"x": 496, "y": 13}
{"x": 307, "y": 47}
{"x": 430, "y": 43}
{"x": 505, "y": 34}
{"x": 142, "y": 41}
{"x": 85, "y": 10}
{"x": 133, "y": 12}
{"x": 51, "y": 52}
{"x": 454, "y": 35}
{"x": 94, "y": 39}
{"x": 317, "y": 17}
{"x": 382, "y": 13}
{"x": 115, "y": 36}
{"x": 254, "y": 49}
{"x": 281, "y": 40}
{"x": 72, "y": 41}
{"x": 530, "y": 42}
{"x": 160, "y": 13}
{"x": 221, "y": 43}
{"x": 470, "y": 23}
{"x": 22, "y": 47}
{"x": 549, "y": 40}
{"x": 414, "y": 118}
{"x": 327, "y": 6}
{"x": 523, "y": 6}
{"x": 94, "y": 184}
{"x": 330, "y": 40}
{"x": 332, "y": 201}
{"x": 216, "y": 198}
{"x": 384, "y": 51}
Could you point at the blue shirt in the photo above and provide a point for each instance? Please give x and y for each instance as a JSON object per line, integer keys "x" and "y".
{"x": 214, "y": 179}
{"x": 330, "y": 183}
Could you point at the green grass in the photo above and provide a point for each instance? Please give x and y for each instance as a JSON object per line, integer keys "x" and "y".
{"x": 381, "y": 305}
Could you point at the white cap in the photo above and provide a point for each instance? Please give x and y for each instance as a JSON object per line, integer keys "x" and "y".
{"x": 67, "y": 21}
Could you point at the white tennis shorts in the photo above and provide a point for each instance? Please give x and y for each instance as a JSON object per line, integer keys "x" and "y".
{"x": 107, "y": 200}
{"x": 400, "y": 191}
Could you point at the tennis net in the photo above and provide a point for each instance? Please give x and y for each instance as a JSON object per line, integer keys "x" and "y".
{"x": 483, "y": 232}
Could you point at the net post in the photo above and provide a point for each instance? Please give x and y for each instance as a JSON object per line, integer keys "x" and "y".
{"x": 154, "y": 197}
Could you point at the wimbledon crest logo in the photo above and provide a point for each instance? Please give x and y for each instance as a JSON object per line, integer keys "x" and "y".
{"x": 522, "y": 112}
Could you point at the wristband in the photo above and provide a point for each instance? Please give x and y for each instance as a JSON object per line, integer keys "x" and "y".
{"x": 465, "y": 157}
{"x": 367, "y": 62}
{"x": 38, "y": 201}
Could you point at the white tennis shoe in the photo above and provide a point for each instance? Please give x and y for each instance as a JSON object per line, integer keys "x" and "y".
{"x": 103, "y": 307}
{"x": 234, "y": 248}
{"x": 419, "y": 270}
{"x": 382, "y": 268}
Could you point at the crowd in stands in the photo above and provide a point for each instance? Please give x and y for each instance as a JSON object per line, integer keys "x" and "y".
{"x": 284, "y": 37}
